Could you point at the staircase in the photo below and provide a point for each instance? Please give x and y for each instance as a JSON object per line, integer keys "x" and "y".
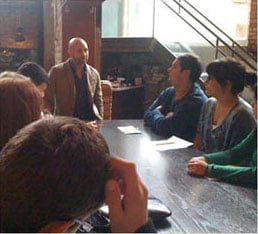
{"x": 216, "y": 43}
{"x": 140, "y": 45}
{"x": 224, "y": 45}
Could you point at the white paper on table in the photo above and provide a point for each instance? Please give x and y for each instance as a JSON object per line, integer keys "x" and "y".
{"x": 129, "y": 130}
{"x": 171, "y": 143}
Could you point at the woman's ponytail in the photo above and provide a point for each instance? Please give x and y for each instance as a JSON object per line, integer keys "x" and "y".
{"x": 250, "y": 79}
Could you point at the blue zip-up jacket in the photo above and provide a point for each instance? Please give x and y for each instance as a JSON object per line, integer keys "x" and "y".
{"x": 186, "y": 111}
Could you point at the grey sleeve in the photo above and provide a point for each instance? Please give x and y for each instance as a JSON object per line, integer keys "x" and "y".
{"x": 201, "y": 120}
{"x": 206, "y": 111}
{"x": 243, "y": 123}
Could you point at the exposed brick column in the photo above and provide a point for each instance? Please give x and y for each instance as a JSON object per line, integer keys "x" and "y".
{"x": 48, "y": 24}
{"x": 58, "y": 20}
{"x": 53, "y": 38}
{"x": 252, "y": 36}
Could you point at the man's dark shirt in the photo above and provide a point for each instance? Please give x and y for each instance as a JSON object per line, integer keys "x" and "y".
{"x": 82, "y": 107}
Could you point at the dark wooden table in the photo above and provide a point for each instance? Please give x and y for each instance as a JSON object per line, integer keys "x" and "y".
{"x": 197, "y": 205}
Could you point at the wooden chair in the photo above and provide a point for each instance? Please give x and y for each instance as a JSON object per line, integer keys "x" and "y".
{"x": 107, "y": 98}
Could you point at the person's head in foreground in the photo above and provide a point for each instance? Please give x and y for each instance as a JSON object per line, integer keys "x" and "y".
{"x": 55, "y": 170}
{"x": 20, "y": 104}
{"x": 185, "y": 69}
{"x": 36, "y": 73}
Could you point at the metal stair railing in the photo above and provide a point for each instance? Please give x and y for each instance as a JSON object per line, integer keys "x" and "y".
{"x": 234, "y": 43}
{"x": 218, "y": 39}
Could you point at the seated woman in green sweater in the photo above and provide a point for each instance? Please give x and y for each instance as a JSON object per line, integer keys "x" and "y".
{"x": 221, "y": 165}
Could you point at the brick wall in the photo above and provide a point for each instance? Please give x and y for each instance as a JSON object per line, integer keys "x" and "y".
{"x": 14, "y": 15}
{"x": 58, "y": 31}
{"x": 52, "y": 19}
{"x": 252, "y": 37}
{"x": 20, "y": 33}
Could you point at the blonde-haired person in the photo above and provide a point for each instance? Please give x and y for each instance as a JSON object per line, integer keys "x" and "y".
{"x": 20, "y": 104}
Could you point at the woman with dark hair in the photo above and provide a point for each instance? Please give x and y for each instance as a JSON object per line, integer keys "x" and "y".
{"x": 220, "y": 165}
{"x": 226, "y": 119}
{"x": 20, "y": 104}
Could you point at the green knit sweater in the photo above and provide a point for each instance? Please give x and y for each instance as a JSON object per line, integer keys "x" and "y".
{"x": 221, "y": 164}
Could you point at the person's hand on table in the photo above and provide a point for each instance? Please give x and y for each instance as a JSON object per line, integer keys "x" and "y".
{"x": 126, "y": 197}
{"x": 169, "y": 114}
{"x": 201, "y": 158}
{"x": 197, "y": 166}
{"x": 159, "y": 107}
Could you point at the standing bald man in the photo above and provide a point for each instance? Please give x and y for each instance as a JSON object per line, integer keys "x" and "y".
{"x": 75, "y": 88}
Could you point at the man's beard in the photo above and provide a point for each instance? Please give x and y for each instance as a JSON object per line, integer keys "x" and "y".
{"x": 80, "y": 61}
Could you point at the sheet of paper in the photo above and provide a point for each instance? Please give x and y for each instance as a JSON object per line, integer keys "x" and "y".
{"x": 171, "y": 143}
{"x": 129, "y": 130}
